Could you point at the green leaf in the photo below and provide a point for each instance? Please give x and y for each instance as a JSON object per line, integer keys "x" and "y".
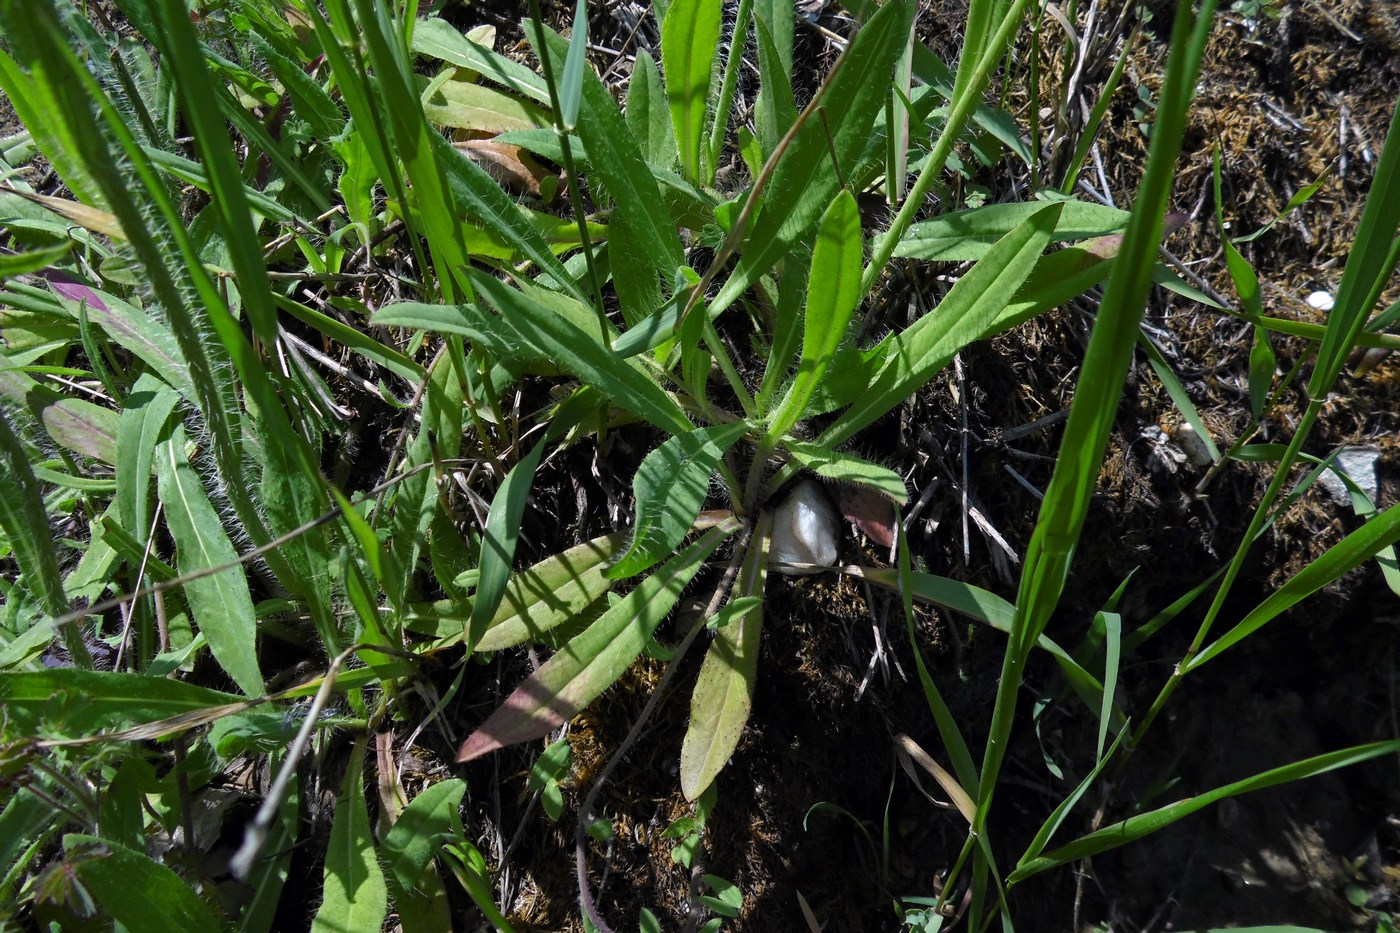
{"x": 929, "y": 343}
{"x": 354, "y": 896}
{"x": 571, "y": 85}
{"x": 26, "y": 523}
{"x": 833, "y": 292}
{"x": 968, "y": 235}
{"x": 436, "y": 37}
{"x": 77, "y": 424}
{"x": 640, "y": 210}
{"x": 499, "y": 538}
{"x": 689, "y": 40}
{"x": 805, "y": 180}
{"x": 135, "y": 891}
{"x": 594, "y": 659}
{"x": 848, "y": 468}
{"x": 723, "y": 695}
{"x": 418, "y": 832}
{"x": 552, "y": 591}
{"x": 547, "y": 772}
{"x": 1133, "y": 828}
{"x": 1356, "y": 548}
{"x": 670, "y": 488}
{"x": 728, "y": 898}
{"x": 597, "y": 365}
{"x": 647, "y": 117}
{"x": 87, "y": 702}
{"x": 219, "y": 602}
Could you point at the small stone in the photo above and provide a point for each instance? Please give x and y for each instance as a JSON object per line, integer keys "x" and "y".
{"x": 1321, "y": 301}
{"x": 804, "y": 531}
{"x": 1359, "y": 463}
{"x": 1192, "y": 444}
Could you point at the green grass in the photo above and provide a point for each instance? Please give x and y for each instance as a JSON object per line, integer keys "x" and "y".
{"x": 207, "y": 545}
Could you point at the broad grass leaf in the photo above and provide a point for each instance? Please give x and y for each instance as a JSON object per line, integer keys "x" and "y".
{"x": 462, "y": 104}
{"x": 498, "y": 540}
{"x": 594, "y": 659}
{"x": 968, "y": 235}
{"x": 833, "y": 292}
{"x": 354, "y": 896}
{"x": 552, "y": 591}
{"x": 647, "y": 115}
{"x": 148, "y": 407}
{"x": 848, "y": 468}
{"x": 689, "y": 40}
{"x": 437, "y": 38}
{"x": 219, "y": 602}
{"x": 134, "y": 890}
{"x": 1136, "y": 827}
{"x": 418, "y": 832}
{"x": 723, "y": 696}
{"x": 87, "y": 702}
{"x": 670, "y": 487}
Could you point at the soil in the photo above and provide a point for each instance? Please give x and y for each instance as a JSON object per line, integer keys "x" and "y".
{"x": 1289, "y": 94}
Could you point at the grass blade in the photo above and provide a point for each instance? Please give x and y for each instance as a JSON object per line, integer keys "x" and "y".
{"x": 571, "y": 82}
{"x": 1110, "y": 837}
{"x": 1095, "y": 403}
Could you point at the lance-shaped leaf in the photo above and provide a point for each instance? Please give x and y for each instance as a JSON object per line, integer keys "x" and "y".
{"x": 670, "y": 487}
{"x": 833, "y": 292}
{"x": 723, "y": 695}
{"x": 848, "y": 468}
{"x": 555, "y": 589}
{"x": 594, "y": 659}
{"x": 689, "y": 37}
{"x": 806, "y": 180}
{"x": 220, "y": 602}
{"x": 536, "y": 599}
{"x": 355, "y": 896}
{"x": 135, "y": 891}
{"x": 499, "y": 538}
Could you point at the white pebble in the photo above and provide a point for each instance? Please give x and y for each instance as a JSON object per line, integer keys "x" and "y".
{"x": 804, "y": 531}
{"x": 1322, "y": 301}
